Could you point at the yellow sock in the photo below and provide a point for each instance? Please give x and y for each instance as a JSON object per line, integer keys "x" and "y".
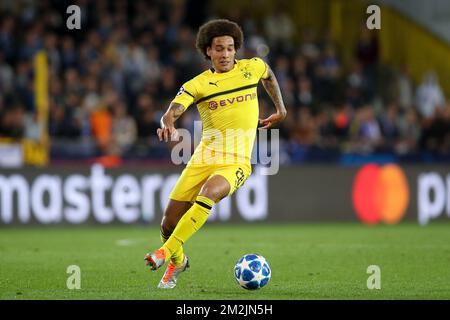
{"x": 190, "y": 223}
{"x": 178, "y": 256}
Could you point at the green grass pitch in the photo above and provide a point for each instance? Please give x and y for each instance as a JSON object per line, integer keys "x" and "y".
{"x": 308, "y": 261}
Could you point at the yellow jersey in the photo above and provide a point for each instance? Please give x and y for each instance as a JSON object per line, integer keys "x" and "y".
{"x": 228, "y": 107}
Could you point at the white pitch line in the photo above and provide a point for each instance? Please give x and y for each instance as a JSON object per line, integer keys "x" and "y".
{"x": 125, "y": 242}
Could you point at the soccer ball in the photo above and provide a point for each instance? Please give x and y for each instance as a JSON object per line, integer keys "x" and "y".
{"x": 252, "y": 271}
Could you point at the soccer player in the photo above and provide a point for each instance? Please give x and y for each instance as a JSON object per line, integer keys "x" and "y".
{"x": 226, "y": 98}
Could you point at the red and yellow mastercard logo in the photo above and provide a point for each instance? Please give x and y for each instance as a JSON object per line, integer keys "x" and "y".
{"x": 380, "y": 193}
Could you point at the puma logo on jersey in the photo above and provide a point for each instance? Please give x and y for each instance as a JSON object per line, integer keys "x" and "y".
{"x": 214, "y": 83}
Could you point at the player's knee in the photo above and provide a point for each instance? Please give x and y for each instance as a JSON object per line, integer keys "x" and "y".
{"x": 216, "y": 188}
{"x": 215, "y": 193}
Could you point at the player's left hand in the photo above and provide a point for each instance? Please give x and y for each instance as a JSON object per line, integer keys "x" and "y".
{"x": 272, "y": 120}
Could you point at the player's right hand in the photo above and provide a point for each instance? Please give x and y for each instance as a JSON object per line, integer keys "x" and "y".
{"x": 272, "y": 120}
{"x": 167, "y": 134}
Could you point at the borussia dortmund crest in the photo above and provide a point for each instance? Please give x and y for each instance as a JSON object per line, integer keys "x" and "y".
{"x": 247, "y": 74}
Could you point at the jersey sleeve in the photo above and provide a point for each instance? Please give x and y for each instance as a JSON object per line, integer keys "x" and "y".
{"x": 261, "y": 67}
{"x": 186, "y": 95}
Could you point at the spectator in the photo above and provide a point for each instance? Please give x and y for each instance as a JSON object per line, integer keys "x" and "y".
{"x": 309, "y": 47}
{"x": 12, "y": 122}
{"x": 69, "y": 57}
{"x": 327, "y": 75}
{"x": 53, "y": 55}
{"x": 410, "y": 131}
{"x": 304, "y": 97}
{"x": 436, "y": 137}
{"x": 6, "y": 75}
{"x": 325, "y": 127}
{"x": 389, "y": 124}
{"x": 429, "y": 96}
{"x": 123, "y": 128}
{"x": 282, "y": 69}
{"x": 404, "y": 89}
{"x": 342, "y": 119}
{"x": 101, "y": 129}
{"x": 367, "y": 49}
{"x": 146, "y": 117}
{"x": 7, "y": 38}
{"x": 152, "y": 68}
{"x": 300, "y": 67}
{"x": 306, "y": 131}
{"x": 367, "y": 135}
{"x": 356, "y": 86}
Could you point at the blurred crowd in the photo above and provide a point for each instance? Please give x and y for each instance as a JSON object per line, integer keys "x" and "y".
{"x": 110, "y": 82}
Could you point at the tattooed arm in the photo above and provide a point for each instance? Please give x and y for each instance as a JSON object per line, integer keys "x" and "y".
{"x": 273, "y": 89}
{"x": 167, "y": 131}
